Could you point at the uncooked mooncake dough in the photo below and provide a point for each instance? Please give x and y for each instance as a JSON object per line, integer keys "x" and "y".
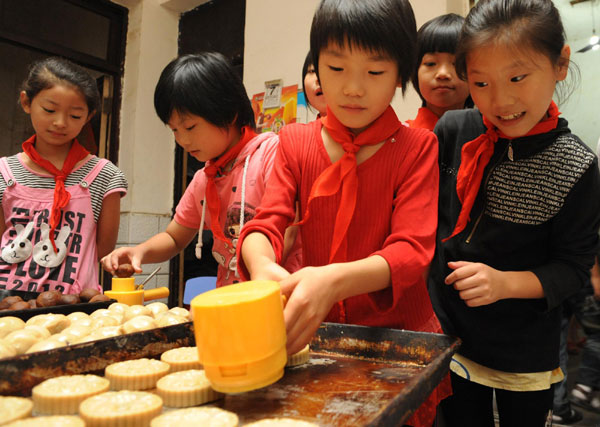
{"x": 14, "y": 408}
{"x": 139, "y": 374}
{"x": 186, "y": 388}
{"x": 200, "y": 416}
{"x": 182, "y": 358}
{"x": 120, "y": 408}
{"x": 49, "y": 421}
{"x": 63, "y": 395}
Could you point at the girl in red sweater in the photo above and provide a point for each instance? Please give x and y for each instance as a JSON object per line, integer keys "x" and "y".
{"x": 366, "y": 185}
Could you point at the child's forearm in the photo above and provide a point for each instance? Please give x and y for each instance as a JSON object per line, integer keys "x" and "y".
{"x": 521, "y": 284}
{"x": 360, "y": 277}
{"x": 257, "y": 253}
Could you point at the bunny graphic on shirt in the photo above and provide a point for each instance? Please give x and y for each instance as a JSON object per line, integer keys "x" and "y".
{"x": 43, "y": 252}
{"x": 20, "y": 248}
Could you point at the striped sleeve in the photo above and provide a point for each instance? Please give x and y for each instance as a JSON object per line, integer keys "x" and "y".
{"x": 110, "y": 179}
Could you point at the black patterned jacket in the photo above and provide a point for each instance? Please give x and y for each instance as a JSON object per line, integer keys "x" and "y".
{"x": 538, "y": 212}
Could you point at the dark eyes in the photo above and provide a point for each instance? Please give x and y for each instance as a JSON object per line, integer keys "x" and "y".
{"x": 335, "y": 68}
{"x": 191, "y": 127}
{"x": 50, "y": 111}
{"x": 376, "y": 73}
{"x": 518, "y": 78}
{"x": 480, "y": 84}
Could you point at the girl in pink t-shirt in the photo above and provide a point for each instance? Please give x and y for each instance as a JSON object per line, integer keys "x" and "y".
{"x": 59, "y": 204}
{"x": 204, "y": 102}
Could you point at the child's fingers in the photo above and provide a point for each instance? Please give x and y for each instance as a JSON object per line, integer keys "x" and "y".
{"x": 462, "y": 269}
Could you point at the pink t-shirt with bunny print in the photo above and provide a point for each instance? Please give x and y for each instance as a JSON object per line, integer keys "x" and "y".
{"x": 28, "y": 261}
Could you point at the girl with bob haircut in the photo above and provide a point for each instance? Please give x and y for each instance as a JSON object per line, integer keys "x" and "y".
{"x": 518, "y": 216}
{"x": 434, "y": 77}
{"x": 366, "y": 186}
{"x": 59, "y": 204}
{"x": 203, "y": 101}
{"x": 311, "y": 87}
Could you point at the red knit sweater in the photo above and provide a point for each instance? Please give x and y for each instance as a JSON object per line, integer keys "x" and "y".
{"x": 395, "y": 218}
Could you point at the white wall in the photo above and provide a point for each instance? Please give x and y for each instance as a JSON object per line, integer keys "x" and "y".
{"x": 581, "y": 109}
{"x": 277, "y": 40}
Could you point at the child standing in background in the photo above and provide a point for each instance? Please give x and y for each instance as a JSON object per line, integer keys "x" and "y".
{"x": 312, "y": 88}
{"x": 366, "y": 187}
{"x": 204, "y": 102}
{"x": 56, "y": 186}
{"x": 518, "y": 219}
{"x": 435, "y": 78}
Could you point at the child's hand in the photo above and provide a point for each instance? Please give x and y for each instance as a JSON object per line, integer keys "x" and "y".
{"x": 118, "y": 258}
{"x": 308, "y": 303}
{"x": 477, "y": 284}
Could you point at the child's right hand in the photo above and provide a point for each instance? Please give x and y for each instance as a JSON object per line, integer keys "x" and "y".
{"x": 121, "y": 258}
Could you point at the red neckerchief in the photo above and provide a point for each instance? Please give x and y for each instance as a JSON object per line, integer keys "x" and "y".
{"x": 426, "y": 119}
{"x": 475, "y": 156}
{"x": 342, "y": 173}
{"x": 61, "y": 195}
{"x": 213, "y": 201}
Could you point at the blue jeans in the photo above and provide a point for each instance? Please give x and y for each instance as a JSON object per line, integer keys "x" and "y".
{"x": 586, "y": 310}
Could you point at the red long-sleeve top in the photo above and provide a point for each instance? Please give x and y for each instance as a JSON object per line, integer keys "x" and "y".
{"x": 395, "y": 218}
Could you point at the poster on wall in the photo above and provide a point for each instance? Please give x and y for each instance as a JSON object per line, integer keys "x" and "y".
{"x": 276, "y": 114}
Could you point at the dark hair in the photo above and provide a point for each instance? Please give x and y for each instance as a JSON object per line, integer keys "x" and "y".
{"x": 49, "y": 72}
{"x": 533, "y": 24}
{"x": 308, "y": 61}
{"x": 205, "y": 85}
{"x": 436, "y": 35}
{"x": 383, "y": 26}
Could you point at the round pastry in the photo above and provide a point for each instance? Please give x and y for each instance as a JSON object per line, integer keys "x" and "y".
{"x": 99, "y": 334}
{"x": 8, "y": 301}
{"x": 9, "y": 324}
{"x": 180, "y": 311}
{"x": 88, "y": 293}
{"x": 120, "y": 408}
{"x": 282, "y": 422}
{"x": 99, "y": 298}
{"x": 21, "y": 340}
{"x": 169, "y": 319}
{"x": 55, "y": 323}
{"x": 103, "y": 321}
{"x": 41, "y": 332}
{"x": 48, "y": 298}
{"x": 157, "y": 307}
{"x": 118, "y": 307}
{"x": 299, "y": 358}
{"x": 186, "y": 388}
{"x": 7, "y": 349}
{"x": 135, "y": 311}
{"x": 49, "y": 421}
{"x": 182, "y": 358}
{"x": 70, "y": 299}
{"x": 14, "y": 408}
{"x": 20, "y": 305}
{"x": 47, "y": 344}
{"x": 202, "y": 416}
{"x": 63, "y": 395}
{"x": 76, "y": 331}
{"x": 79, "y": 318}
{"x": 139, "y": 374}
{"x": 139, "y": 323}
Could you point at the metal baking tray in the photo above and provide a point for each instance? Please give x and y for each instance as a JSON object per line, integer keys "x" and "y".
{"x": 18, "y": 375}
{"x": 356, "y": 376}
{"x": 86, "y": 307}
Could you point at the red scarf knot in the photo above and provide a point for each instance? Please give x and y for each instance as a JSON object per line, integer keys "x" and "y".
{"x": 342, "y": 174}
{"x": 211, "y": 169}
{"x": 476, "y": 154}
{"x": 61, "y": 195}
